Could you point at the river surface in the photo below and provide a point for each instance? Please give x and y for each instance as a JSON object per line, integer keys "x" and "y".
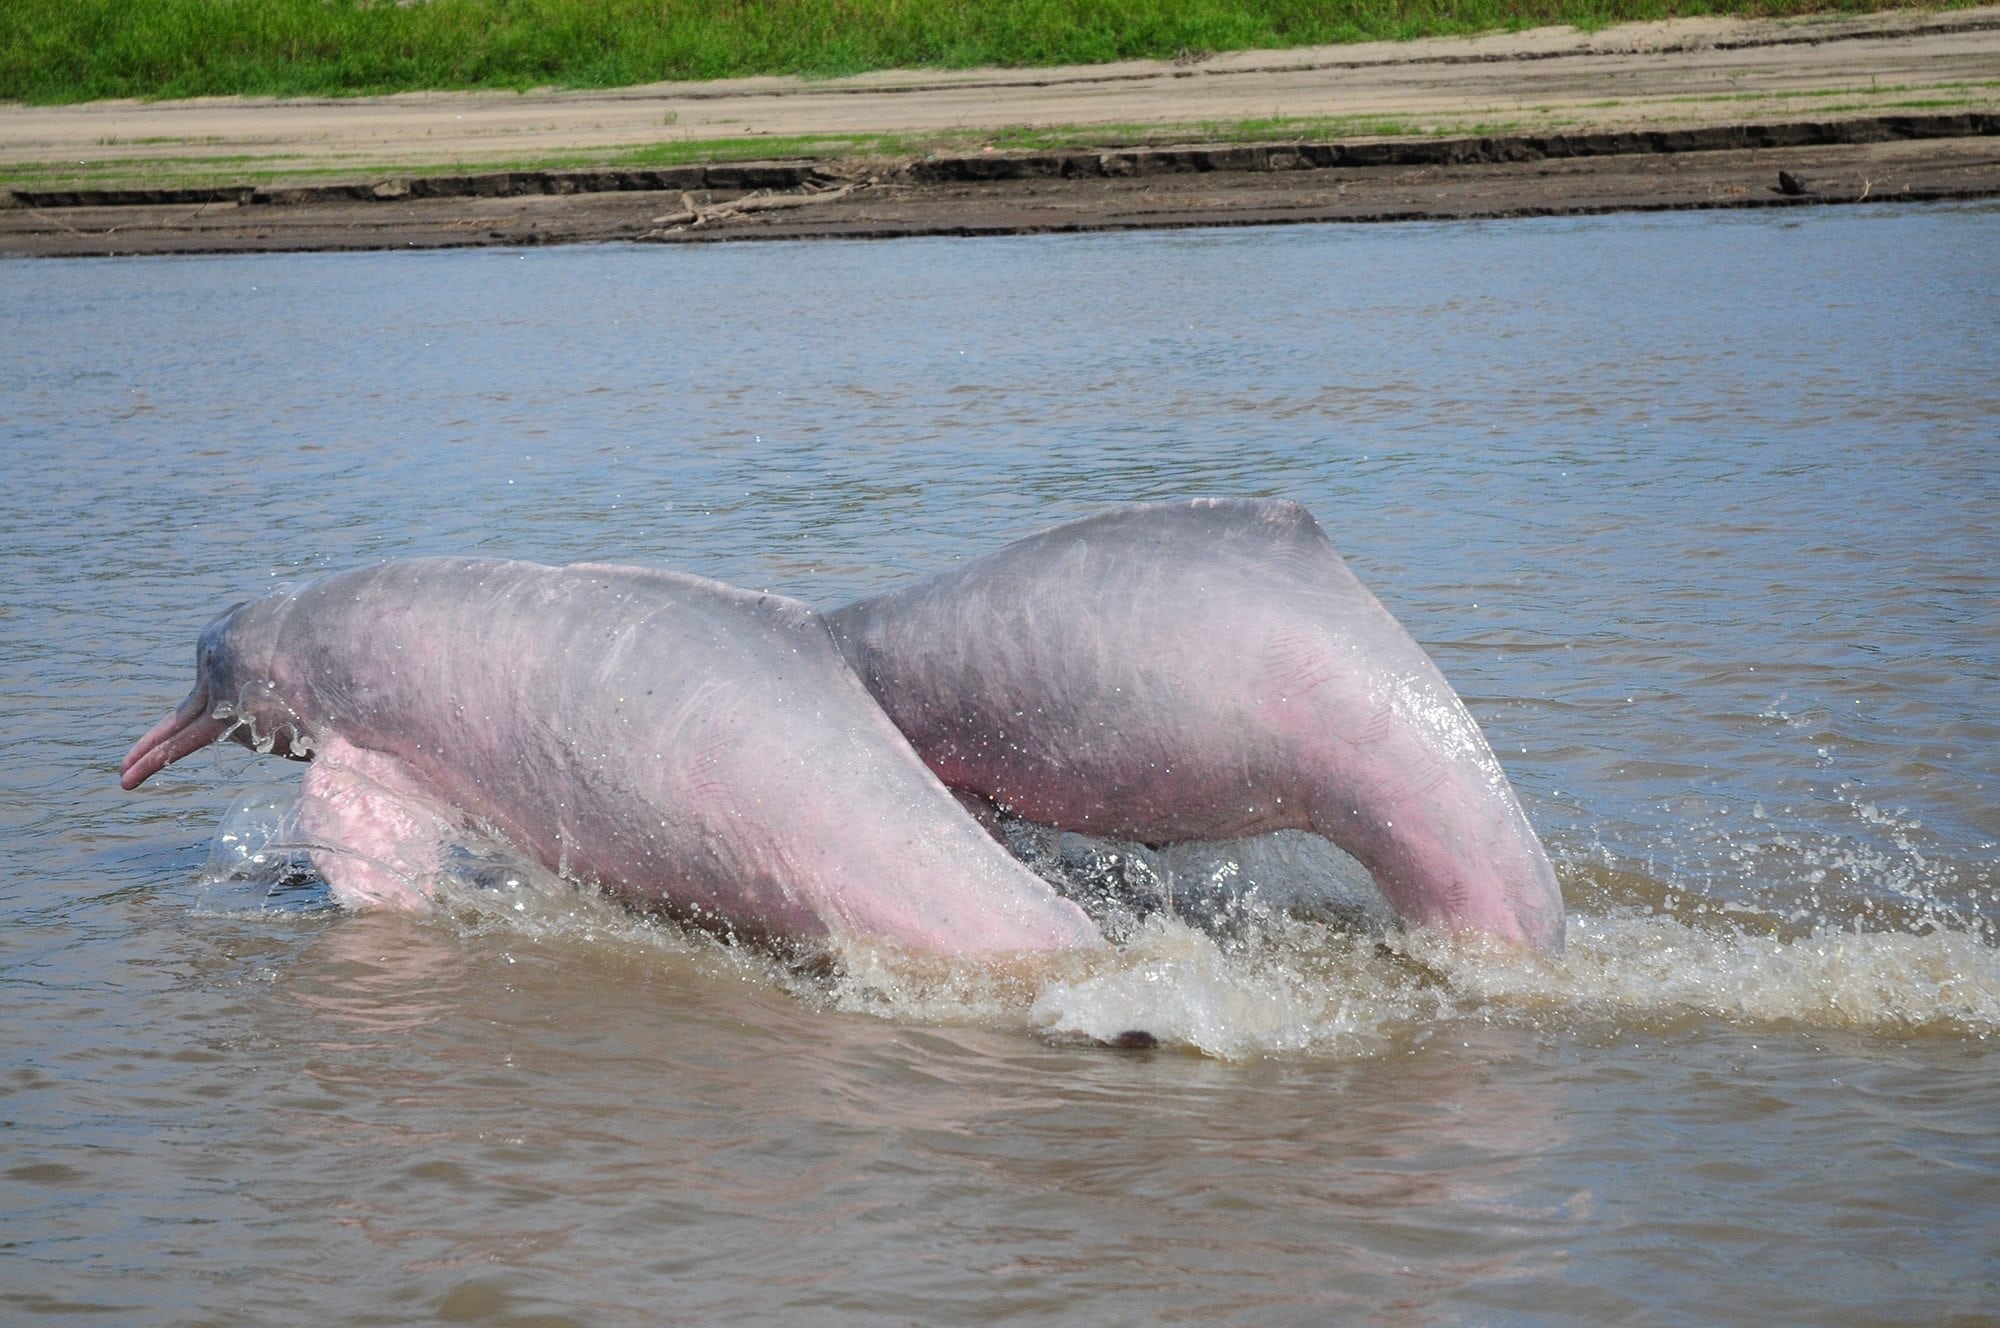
{"x": 1700, "y": 513}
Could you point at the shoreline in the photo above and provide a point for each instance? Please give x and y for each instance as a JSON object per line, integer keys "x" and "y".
{"x": 1811, "y": 164}
{"x": 1690, "y": 114}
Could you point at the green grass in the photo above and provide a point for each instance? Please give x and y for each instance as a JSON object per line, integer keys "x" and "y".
{"x": 193, "y": 169}
{"x": 79, "y": 50}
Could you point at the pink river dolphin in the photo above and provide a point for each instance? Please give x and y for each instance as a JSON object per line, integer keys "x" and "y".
{"x": 1201, "y": 670}
{"x": 1207, "y": 670}
{"x": 687, "y": 746}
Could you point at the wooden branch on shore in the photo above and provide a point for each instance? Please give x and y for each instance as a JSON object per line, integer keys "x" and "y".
{"x": 693, "y": 214}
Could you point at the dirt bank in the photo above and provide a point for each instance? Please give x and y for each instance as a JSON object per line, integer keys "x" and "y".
{"x": 1696, "y": 113}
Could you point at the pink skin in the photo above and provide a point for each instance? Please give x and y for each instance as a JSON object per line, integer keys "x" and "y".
{"x": 187, "y": 728}
{"x": 380, "y": 835}
{"x": 1201, "y": 671}
{"x": 688, "y": 746}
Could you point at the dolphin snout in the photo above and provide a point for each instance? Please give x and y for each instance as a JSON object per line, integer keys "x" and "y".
{"x": 189, "y": 728}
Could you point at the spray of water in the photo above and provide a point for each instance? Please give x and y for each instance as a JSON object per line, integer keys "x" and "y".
{"x": 1277, "y": 947}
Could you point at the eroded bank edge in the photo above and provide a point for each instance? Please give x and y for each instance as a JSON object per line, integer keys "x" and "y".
{"x": 1068, "y": 163}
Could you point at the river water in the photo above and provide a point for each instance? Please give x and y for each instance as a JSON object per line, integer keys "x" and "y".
{"x": 1701, "y": 514}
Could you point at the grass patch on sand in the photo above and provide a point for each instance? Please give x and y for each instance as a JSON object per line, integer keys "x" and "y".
{"x": 196, "y": 169}
{"x": 196, "y": 165}
{"x": 78, "y": 50}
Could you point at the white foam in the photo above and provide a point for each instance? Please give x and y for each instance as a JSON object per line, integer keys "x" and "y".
{"x": 1268, "y": 982}
{"x": 1627, "y": 963}
{"x": 1183, "y": 989}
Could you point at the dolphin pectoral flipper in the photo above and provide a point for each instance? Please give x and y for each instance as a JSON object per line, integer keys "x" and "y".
{"x": 373, "y": 834}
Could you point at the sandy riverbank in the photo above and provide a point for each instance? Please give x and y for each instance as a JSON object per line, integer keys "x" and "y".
{"x": 1695, "y": 113}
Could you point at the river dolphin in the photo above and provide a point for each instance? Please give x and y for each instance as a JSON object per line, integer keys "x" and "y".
{"x": 686, "y": 745}
{"x": 1207, "y": 670}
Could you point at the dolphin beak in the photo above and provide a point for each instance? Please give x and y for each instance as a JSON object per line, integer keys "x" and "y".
{"x": 188, "y": 729}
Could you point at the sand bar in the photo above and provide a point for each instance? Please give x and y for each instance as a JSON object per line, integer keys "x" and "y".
{"x": 1699, "y": 112}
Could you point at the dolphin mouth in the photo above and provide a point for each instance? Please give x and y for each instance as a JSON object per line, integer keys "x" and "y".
{"x": 189, "y": 728}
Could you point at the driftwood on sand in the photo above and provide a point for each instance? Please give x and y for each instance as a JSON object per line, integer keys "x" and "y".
{"x": 694, "y": 213}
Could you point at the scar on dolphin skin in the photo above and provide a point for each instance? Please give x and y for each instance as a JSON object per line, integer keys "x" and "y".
{"x": 816, "y": 824}
{"x": 1341, "y": 725}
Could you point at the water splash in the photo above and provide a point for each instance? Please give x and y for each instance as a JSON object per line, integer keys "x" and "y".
{"x": 255, "y": 862}
{"x": 1633, "y": 965}
{"x": 1268, "y": 948}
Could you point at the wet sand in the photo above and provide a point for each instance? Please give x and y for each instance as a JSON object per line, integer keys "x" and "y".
{"x": 1693, "y": 113}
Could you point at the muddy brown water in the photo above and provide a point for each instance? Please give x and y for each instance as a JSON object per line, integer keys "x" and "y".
{"x": 1696, "y": 511}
